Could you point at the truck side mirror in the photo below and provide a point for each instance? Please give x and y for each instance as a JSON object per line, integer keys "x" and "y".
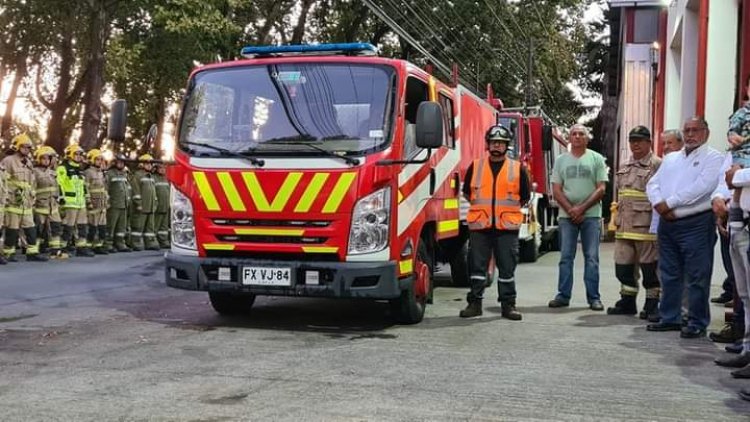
{"x": 546, "y": 138}
{"x": 117, "y": 121}
{"x": 429, "y": 128}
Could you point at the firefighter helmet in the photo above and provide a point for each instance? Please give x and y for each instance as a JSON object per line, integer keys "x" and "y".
{"x": 146, "y": 158}
{"x": 93, "y": 154}
{"x": 498, "y": 133}
{"x": 21, "y": 140}
{"x": 44, "y": 151}
{"x": 71, "y": 151}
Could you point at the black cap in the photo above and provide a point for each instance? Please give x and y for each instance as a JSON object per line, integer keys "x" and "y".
{"x": 498, "y": 133}
{"x": 640, "y": 132}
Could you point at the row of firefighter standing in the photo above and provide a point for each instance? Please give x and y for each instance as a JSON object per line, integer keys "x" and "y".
{"x": 79, "y": 206}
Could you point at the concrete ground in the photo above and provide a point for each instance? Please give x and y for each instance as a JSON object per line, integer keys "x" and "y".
{"x": 105, "y": 339}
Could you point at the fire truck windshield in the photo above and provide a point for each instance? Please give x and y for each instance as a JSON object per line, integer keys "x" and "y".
{"x": 342, "y": 107}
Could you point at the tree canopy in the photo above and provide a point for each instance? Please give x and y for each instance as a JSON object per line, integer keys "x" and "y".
{"x": 69, "y": 62}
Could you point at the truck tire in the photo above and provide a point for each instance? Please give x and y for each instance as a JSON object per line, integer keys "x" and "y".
{"x": 226, "y": 303}
{"x": 459, "y": 263}
{"x": 410, "y": 306}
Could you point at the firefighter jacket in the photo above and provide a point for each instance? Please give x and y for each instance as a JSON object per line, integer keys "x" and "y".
{"x": 144, "y": 191}
{"x": 634, "y": 212}
{"x": 72, "y": 185}
{"x": 3, "y": 190}
{"x": 96, "y": 188}
{"x": 20, "y": 185}
{"x": 46, "y": 191}
{"x": 119, "y": 189}
{"x": 495, "y": 201}
{"x": 162, "y": 194}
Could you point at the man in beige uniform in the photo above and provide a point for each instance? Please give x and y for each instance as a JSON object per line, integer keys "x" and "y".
{"x": 19, "y": 206}
{"x": 96, "y": 201}
{"x": 46, "y": 208}
{"x": 3, "y": 195}
{"x": 635, "y": 245}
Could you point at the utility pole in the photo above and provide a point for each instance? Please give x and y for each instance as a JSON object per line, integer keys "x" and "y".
{"x": 529, "y": 76}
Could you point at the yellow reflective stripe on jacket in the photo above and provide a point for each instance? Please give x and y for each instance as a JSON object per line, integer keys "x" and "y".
{"x": 97, "y": 191}
{"x": 45, "y": 190}
{"x": 22, "y": 211}
{"x": 632, "y": 193}
{"x": 19, "y": 184}
{"x": 650, "y": 237}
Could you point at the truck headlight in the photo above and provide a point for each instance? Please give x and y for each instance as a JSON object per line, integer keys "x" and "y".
{"x": 183, "y": 228}
{"x": 369, "y": 231}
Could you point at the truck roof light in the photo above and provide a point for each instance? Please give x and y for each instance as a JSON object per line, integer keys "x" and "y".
{"x": 350, "y": 49}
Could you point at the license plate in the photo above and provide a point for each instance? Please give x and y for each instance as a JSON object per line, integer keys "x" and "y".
{"x": 266, "y": 276}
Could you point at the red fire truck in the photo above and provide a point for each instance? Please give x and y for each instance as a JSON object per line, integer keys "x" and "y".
{"x": 319, "y": 170}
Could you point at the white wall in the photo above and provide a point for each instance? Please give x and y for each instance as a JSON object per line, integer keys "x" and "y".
{"x": 681, "y": 65}
{"x": 721, "y": 72}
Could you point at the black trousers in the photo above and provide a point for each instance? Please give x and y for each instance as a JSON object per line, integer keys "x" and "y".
{"x": 503, "y": 245}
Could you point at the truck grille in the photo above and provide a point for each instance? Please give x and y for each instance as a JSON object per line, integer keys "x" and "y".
{"x": 271, "y": 223}
{"x": 271, "y": 239}
{"x": 273, "y": 256}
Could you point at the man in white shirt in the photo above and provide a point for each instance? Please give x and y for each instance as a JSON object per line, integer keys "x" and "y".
{"x": 681, "y": 191}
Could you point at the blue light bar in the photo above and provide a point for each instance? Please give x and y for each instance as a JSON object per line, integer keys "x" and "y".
{"x": 352, "y": 49}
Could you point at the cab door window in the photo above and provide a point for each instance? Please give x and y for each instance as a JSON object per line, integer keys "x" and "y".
{"x": 416, "y": 92}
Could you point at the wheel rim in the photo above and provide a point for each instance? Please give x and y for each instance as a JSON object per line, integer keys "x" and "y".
{"x": 422, "y": 272}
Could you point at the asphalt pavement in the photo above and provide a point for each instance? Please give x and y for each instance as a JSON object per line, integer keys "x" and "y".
{"x": 105, "y": 339}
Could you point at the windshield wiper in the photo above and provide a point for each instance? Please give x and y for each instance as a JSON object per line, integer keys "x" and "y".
{"x": 299, "y": 140}
{"x": 227, "y": 152}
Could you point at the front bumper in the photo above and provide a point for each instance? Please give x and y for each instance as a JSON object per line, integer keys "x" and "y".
{"x": 373, "y": 280}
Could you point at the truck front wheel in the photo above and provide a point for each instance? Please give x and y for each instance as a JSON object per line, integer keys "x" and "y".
{"x": 410, "y": 306}
{"x": 231, "y": 303}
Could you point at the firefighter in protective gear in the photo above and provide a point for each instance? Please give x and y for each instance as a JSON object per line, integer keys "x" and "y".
{"x": 120, "y": 194}
{"x": 19, "y": 207}
{"x": 3, "y": 196}
{"x": 73, "y": 200}
{"x": 635, "y": 245}
{"x": 497, "y": 187}
{"x": 143, "y": 206}
{"x": 161, "y": 216}
{"x": 96, "y": 201}
{"x": 46, "y": 209}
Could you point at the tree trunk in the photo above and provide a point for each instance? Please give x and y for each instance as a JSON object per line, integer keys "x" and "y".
{"x": 161, "y": 113}
{"x": 299, "y": 29}
{"x": 351, "y": 32}
{"x": 7, "y": 122}
{"x": 92, "y": 113}
{"x": 64, "y": 96}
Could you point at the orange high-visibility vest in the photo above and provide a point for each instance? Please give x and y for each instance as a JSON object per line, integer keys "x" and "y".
{"x": 504, "y": 194}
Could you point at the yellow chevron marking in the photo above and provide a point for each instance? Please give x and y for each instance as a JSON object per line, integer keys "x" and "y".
{"x": 270, "y": 232}
{"x": 311, "y": 193}
{"x": 450, "y": 204}
{"x": 406, "y": 266}
{"x": 218, "y": 247}
{"x": 338, "y": 193}
{"x": 320, "y": 249}
{"x": 230, "y": 191}
{"x": 400, "y": 196}
{"x": 282, "y": 196}
{"x": 447, "y": 226}
{"x": 204, "y": 188}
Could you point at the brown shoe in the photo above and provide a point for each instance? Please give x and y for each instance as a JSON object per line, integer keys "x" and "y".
{"x": 473, "y": 309}
{"x": 509, "y": 311}
{"x": 728, "y": 334}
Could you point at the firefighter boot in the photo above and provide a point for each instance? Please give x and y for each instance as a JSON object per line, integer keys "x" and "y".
{"x": 85, "y": 251}
{"x": 624, "y": 306}
{"x": 473, "y": 309}
{"x": 37, "y": 257}
{"x": 509, "y": 311}
{"x": 650, "y": 309}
